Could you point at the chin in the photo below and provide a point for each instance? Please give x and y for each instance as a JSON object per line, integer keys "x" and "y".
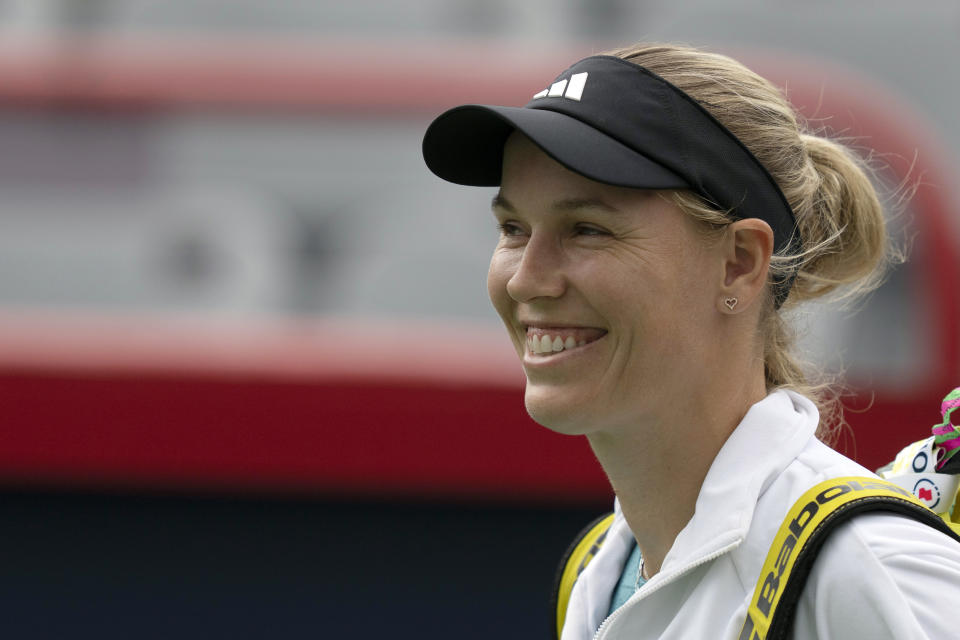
{"x": 561, "y": 417}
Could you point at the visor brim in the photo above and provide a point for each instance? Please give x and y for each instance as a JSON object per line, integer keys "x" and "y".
{"x": 465, "y": 146}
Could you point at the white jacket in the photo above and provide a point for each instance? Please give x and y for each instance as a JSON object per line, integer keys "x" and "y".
{"x": 878, "y": 577}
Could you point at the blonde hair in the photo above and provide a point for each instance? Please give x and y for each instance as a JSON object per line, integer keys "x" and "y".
{"x": 845, "y": 247}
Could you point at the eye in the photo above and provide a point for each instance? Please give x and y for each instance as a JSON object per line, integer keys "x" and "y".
{"x": 510, "y": 229}
{"x": 590, "y": 230}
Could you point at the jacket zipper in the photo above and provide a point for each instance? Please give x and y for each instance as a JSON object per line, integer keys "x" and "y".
{"x": 643, "y": 593}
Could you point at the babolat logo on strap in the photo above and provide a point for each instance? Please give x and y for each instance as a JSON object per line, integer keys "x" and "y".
{"x": 571, "y": 89}
{"x": 826, "y": 500}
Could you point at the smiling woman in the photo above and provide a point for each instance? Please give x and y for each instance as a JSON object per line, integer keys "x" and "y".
{"x": 619, "y": 269}
{"x": 658, "y": 208}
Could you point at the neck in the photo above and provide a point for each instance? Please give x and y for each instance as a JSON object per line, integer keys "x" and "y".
{"x": 657, "y": 463}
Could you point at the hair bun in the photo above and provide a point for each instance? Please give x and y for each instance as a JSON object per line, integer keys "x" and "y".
{"x": 844, "y": 229}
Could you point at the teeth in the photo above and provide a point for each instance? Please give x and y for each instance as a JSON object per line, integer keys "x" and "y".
{"x": 548, "y": 344}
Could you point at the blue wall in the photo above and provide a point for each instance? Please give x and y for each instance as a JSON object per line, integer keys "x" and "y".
{"x": 124, "y": 566}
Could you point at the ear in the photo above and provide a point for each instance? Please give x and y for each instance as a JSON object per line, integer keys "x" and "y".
{"x": 748, "y": 245}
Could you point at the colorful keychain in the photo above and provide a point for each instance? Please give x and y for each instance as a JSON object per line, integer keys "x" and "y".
{"x": 947, "y": 435}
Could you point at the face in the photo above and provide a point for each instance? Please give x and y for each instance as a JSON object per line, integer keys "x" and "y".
{"x": 608, "y": 294}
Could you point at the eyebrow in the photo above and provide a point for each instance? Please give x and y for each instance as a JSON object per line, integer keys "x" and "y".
{"x": 567, "y": 204}
{"x": 499, "y": 202}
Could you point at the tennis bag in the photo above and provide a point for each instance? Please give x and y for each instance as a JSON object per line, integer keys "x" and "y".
{"x": 921, "y": 483}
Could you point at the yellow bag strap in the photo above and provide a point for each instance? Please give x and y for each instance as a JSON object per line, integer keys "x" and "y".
{"x": 802, "y": 534}
{"x": 578, "y": 555}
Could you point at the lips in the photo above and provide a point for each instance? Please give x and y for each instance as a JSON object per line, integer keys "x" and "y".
{"x": 545, "y": 341}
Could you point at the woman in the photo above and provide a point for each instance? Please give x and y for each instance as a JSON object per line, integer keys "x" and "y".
{"x": 659, "y": 208}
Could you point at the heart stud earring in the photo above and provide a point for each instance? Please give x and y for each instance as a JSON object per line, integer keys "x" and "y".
{"x": 731, "y": 303}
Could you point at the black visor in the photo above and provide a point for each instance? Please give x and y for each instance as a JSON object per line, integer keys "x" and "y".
{"x": 617, "y": 123}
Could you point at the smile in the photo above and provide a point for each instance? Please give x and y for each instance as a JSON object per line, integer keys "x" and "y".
{"x": 546, "y": 341}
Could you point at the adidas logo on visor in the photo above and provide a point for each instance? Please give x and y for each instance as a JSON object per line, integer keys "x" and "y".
{"x": 572, "y": 88}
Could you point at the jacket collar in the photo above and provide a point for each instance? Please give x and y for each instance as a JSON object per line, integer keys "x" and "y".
{"x": 771, "y": 435}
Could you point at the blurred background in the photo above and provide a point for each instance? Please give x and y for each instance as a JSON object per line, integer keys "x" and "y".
{"x": 251, "y": 383}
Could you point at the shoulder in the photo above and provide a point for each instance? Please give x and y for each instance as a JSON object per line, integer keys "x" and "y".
{"x": 878, "y": 576}
{"x": 882, "y": 576}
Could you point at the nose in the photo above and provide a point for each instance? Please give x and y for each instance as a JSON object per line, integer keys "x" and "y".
{"x": 539, "y": 272}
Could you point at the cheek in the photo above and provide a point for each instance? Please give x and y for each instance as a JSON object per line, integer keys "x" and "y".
{"x": 497, "y": 277}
